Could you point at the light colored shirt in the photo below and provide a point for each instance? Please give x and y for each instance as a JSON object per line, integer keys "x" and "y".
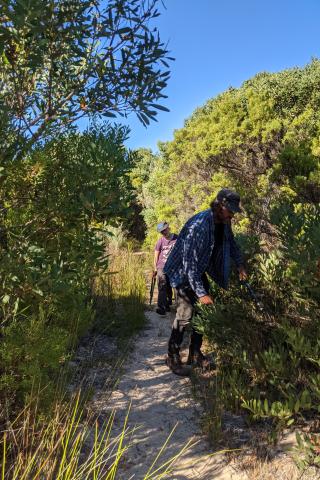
{"x": 164, "y": 247}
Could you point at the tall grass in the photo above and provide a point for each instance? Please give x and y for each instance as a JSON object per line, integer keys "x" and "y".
{"x": 120, "y": 295}
{"x": 72, "y": 445}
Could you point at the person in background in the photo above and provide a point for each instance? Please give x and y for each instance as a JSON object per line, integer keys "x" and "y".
{"x": 205, "y": 245}
{"x": 162, "y": 249}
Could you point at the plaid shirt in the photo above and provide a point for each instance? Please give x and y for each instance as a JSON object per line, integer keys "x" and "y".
{"x": 191, "y": 256}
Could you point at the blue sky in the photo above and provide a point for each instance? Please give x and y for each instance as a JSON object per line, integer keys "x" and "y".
{"x": 218, "y": 44}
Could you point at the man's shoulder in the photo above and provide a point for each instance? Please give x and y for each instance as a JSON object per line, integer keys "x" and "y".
{"x": 201, "y": 218}
{"x": 200, "y": 223}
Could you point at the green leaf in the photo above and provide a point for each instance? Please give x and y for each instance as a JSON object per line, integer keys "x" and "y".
{"x": 6, "y": 299}
{"x": 159, "y": 107}
{"x": 121, "y": 31}
{"x": 108, "y": 114}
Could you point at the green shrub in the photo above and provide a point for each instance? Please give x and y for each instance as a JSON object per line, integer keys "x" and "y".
{"x": 269, "y": 361}
{"x": 60, "y": 203}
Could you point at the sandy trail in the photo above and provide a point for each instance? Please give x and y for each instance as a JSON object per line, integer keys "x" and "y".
{"x": 160, "y": 401}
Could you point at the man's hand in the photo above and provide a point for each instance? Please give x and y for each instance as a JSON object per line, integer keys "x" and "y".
{"x": 206, "y": 300}
{"x": 242, "y": 274}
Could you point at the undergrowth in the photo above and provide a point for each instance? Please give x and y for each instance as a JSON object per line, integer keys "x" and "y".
{"x": 268, "y": 358}
{"x": 72, "y": 444}
{"x": 120, "y": 295}
{"x": 52, "y": 443}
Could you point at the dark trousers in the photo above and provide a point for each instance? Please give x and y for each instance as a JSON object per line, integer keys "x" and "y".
{"x": 164, "y": 290}
{"x": 186, "y": 300}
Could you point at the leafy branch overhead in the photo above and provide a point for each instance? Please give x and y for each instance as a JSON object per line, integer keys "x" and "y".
{"x": 62, "y": 60}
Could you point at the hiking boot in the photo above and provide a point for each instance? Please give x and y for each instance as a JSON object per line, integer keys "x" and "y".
{"x": 198, "y": 360}
{"x": 160, "y": 311}
{"x": 173, "y": 361}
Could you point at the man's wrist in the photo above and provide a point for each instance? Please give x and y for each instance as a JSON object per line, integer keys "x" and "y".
{"x": 201, "y": 293}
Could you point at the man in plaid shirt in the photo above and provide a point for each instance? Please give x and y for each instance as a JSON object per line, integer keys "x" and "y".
{"x": 205, "y": 245}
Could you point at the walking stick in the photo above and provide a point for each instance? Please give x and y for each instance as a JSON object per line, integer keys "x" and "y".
{"x": 153, "y": 282}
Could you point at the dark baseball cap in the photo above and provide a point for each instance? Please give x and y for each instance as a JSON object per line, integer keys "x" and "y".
{"x": 229, "y": 199}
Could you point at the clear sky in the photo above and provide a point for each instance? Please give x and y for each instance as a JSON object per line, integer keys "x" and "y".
{"x": 221, "y": 43}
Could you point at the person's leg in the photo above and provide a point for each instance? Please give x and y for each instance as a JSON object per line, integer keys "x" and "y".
{"x": 182, "y": 319}
{"x": 195, "y": 342}
{"x": 162, "y": 291}
{"x": 175, "y": 340}
{"x": 195, "y": 354}
{"x": 169, "y": 292}
{"x": 186, "y": 300}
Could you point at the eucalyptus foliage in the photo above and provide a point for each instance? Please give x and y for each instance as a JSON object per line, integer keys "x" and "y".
{"x": 61, "y": 60}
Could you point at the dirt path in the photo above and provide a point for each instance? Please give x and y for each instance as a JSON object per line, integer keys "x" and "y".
{"x": 159, "y": 402}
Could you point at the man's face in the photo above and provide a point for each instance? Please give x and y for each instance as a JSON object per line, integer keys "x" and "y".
{"x": 166, "y": 232}
{"x": 224, "y": 214}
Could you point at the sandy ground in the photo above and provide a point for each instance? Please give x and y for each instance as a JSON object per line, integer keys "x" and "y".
{"x": 160, "y": 403}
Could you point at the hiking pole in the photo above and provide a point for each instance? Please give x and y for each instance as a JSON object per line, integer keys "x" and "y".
{"x": 253, "y": 295}
{"x": 153, "y": 282}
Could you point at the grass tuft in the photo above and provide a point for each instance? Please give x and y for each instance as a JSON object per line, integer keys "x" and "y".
{"x": 120, "y": 296}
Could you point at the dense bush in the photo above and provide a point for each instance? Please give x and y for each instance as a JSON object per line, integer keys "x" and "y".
{"x": 60, "y": 202}
{"x": 262, "y": 140}
{"x": 59, "y": 191}
{"x": 269, "y": 361}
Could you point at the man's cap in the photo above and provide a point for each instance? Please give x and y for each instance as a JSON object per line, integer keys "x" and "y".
{"x": 229, "y": 199}
{"x": 162, "y": 226}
